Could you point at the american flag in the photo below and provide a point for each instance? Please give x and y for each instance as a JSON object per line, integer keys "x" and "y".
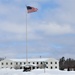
{"x": 31, "y": 9}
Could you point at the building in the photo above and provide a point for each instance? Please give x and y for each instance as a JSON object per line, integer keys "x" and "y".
{"x": 36, "y": 63}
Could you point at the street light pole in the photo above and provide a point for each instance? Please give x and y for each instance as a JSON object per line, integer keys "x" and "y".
{"x": 44, "y": 64}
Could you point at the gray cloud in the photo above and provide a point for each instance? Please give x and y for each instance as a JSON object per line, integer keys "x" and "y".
{"x": 53, "y": 35}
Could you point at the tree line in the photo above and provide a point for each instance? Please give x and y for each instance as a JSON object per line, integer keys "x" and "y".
{"x": 68, "y": 64}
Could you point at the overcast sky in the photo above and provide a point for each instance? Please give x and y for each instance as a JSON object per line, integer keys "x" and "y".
{"x": 51, "y": 30}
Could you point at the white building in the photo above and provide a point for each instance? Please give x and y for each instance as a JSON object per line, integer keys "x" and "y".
{"x": 51, "y": 63}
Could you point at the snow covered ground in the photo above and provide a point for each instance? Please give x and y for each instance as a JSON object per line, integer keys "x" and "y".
{"x": 35, "y": 72}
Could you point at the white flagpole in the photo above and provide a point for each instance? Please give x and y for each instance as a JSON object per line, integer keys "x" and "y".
{"x": 26, "y": 40}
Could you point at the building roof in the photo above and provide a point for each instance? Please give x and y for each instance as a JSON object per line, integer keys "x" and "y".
{"x": 33, "y": 59}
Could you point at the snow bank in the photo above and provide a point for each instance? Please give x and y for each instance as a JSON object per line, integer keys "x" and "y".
{"x": 35, "y": 72}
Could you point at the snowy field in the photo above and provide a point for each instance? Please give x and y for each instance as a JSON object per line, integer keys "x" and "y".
{"x": 35, "y": 72}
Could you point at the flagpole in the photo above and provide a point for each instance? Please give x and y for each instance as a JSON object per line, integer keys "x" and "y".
{"x": 31, "y": 9}
{"x": 26, "y": 41}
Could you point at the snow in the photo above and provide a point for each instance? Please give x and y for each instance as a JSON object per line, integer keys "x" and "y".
{"x": 33, "y": 59}
{"x": 35, "y": 72}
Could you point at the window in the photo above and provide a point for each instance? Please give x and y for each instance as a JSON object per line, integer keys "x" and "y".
{"x": 51, "y": 62}
{"x": 55, "y": 66}
{"x": 46, "y": 66}
{"x": 37, "y": 63}
{"x": 20, "y": 63}
{"x": 10, "y": 67}
{"x": 55, "y": 62}
{"x": 11, "y": 63}
{"x": 24, "y": 63}
{"x": 20, "y": 67}
{"x": 2, "y": 63}
{"x": 16, "y": 63}
{"x": 46, "y": 62}
{"x": 6, "y": 63}
{"x": 29, "y": 62}
{"x": 33, "y": 67}
{"x": 41, "y": 62}
{"x": 33, "y": 63}
{"x": 51, "y": 67}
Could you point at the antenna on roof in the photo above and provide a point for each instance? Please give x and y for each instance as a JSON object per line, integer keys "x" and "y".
{"x": 4, "y": 57}
{"x": 40, "y": 56}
